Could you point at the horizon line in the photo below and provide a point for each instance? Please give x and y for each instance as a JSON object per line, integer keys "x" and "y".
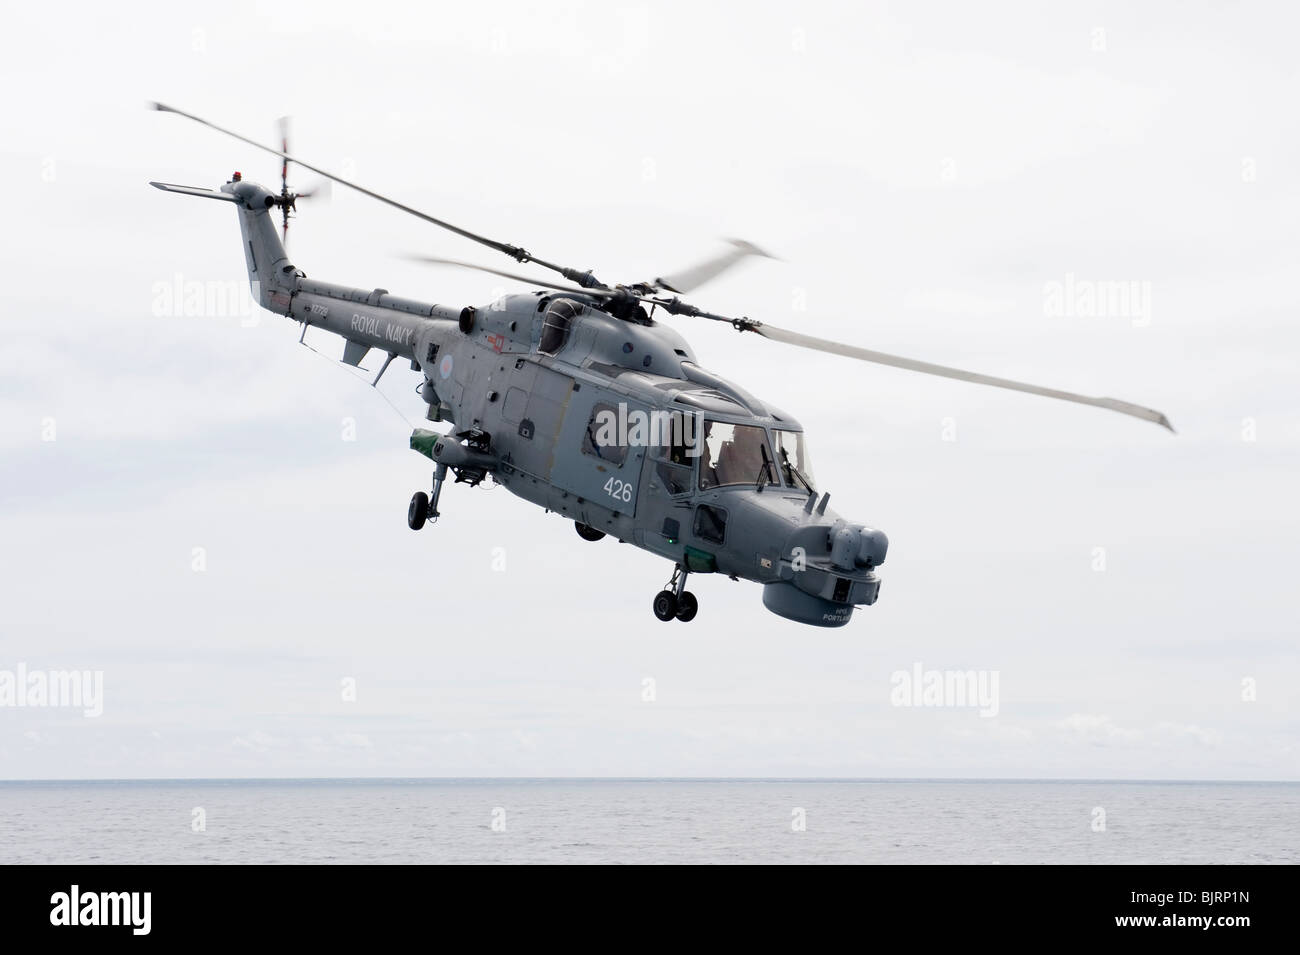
{"x": 578, "y": 778}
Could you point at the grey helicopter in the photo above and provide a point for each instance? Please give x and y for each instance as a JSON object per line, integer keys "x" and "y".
{"x": 574, "y": 397}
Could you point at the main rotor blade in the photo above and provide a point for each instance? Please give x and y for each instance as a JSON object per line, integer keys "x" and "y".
{"x": 457, "y": 263}
{"x": 692, "y": 277}
{"x": 880, "y": 358}
{"x": 585, "y": 279}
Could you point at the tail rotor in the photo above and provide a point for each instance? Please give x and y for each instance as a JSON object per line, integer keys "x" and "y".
{"x": 287, "y": 201}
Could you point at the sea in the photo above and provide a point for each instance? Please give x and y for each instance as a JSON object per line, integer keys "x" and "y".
{"x": 653, "y": 821}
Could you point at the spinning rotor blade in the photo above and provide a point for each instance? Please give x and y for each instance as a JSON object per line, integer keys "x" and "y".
{"x": 283, "y": 123}
{"x": 286, "y": 202}
{"x": 676, "y": 306}
{"x": 457, "y": 263}
{"x": 692, "y": 277}
{"x": 320, "y": 189}
{"x": 519, "y": 254}
{"x": 880, "y": 358}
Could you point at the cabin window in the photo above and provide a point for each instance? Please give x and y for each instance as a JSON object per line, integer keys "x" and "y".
{"x": 735, "y": 454}
{"x": 601, "y": 439}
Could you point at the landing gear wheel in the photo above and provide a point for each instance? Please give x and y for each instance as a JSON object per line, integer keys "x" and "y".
{"x": 687, "y": 607}
{"x": 587, "y": 532}
{"x": 665, "y": 605}
{"x": 418, "y": 511}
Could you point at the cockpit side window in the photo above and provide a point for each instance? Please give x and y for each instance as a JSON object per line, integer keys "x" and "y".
{"x": 735, "y": 454}
{"x": 675, "y": 478}
{"x": 674, "y": 463}
{"x": 555, "y": 325}
{"x": 792, "y": 460}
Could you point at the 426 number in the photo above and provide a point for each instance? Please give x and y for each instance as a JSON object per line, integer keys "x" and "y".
{"x": 619, "y": 490}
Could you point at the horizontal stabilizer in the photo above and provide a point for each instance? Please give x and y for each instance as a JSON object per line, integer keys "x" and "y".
{"x": 194, "y": 191}
{"x": 354, "y": 352}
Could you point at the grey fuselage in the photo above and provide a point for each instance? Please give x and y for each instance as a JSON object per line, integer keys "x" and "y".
{"x": 531, "y": 413}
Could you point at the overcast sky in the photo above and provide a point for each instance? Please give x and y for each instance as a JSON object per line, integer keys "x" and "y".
{"x": 927, "y": 174}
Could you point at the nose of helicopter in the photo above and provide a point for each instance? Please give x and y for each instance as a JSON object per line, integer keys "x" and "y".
{"x": 828, "y": 568}
{"x": 821, "y": 566}
{"x": 853, "y": 546}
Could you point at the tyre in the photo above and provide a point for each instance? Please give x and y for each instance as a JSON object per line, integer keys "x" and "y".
{"x": 665, "y": 605}
{"x": 418, "y": 511}
{"x": 687, "y": 607}
{"x": 587, "y": 532}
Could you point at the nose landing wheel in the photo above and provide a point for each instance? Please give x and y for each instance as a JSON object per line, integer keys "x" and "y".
{"x": 675, "y": 601}
{"x": 665, "y": 605}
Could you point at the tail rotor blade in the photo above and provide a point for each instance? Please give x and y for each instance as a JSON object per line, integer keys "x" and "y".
{"x": 286, "y": 197}
{"x": 283, "y": 123}
{"x": 320, "y": 189}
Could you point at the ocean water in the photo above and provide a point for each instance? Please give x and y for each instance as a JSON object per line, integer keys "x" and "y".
{"x": 647, "y": 821}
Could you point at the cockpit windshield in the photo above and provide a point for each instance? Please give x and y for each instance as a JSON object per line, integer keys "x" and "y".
{"x": 792, "y": 459}
{"x": 735, "y": 454}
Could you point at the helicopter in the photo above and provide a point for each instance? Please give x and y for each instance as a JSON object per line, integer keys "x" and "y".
{"x": 575, "y": 398}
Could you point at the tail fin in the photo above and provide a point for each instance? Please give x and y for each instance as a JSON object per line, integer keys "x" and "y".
{"x": 271, "y": 275}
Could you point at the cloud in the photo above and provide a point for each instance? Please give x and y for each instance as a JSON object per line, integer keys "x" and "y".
{"x": 1097, "y": 729}
{"x": 997, "y": 731}
{"x": 1189, "y": 731}
{"x": 256, "y": 741}
{"x": 1101, "y": 730}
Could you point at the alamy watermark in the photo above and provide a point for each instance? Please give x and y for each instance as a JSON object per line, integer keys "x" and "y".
{"x": 946, "y": 688}
{"x": 22, "y": 687}
{"x": 1090, "y": 298}
{"x": 623, "y": 427}
{"x": 128, "y": 909}
{"x": 192, "y": 298}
